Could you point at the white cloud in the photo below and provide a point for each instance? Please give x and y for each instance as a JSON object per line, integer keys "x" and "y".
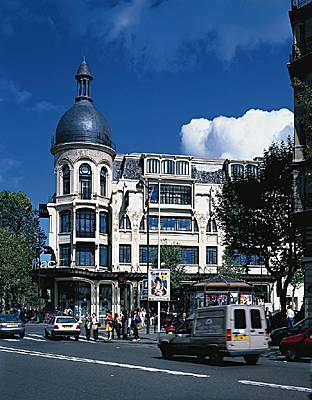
{"x": 46, "y": 106}
{"x": 236, "y": 138}
{"x": 10, "y": 91}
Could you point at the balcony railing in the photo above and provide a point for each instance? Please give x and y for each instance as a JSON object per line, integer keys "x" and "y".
{"x": 299, "y": 3}
{"x": 301, "y": 49}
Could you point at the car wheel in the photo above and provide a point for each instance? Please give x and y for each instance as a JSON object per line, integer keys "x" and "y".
{"x": 292, "y": 355}
{"x": 76, "y": 338}
{"x": 215, "y": 357}
{"x": 251, "y": 360}
{"x": 166, "y": 353}
{"x": 21, "y": 335}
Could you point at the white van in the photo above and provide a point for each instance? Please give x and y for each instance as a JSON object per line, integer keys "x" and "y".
{"x": 219, "y": 331}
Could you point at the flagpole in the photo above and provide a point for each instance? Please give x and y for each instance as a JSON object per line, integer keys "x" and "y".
{"x": 158, "y": 256}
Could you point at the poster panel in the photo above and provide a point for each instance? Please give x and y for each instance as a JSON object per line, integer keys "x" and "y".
{"x": 159, "y": 285}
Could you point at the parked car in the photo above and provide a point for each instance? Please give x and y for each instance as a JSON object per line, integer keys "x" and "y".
{"x": 62, "y": 326}
{"x": 278, "y": 334}
{"x": 219, "y": 331}
{"x": 296, "y": 346}
{"x": 11, "y": 324}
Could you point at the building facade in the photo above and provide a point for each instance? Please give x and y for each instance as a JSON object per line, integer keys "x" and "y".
{"x": 98, "y": 215}
{"x": 299, "y": 68}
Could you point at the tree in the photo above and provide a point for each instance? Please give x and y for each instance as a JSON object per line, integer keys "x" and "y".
{"x": 21, "y": 240}
{"x": 170, "y": 257}
{"x": 260, "y": 218}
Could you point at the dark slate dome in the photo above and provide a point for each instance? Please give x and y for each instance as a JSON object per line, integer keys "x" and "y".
{"x": 82, "y": 122}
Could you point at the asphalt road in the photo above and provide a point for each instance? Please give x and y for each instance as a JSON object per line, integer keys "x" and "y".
{"x": 36, "y": 368}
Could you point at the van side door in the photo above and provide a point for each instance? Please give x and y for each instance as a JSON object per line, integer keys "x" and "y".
{"x": 258, "y": 337}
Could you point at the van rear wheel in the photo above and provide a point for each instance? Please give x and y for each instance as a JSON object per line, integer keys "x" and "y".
{"x": 216, "y": 357}
{"x": 251, "y": 360}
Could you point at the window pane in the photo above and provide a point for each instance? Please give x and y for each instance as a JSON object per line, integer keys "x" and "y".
{"x": 143, "y": 254}
{"x": 66, "y": 180}
{"x": 174, "y": 194}
{"x": 255, "y": 319}
{"x": 237, "y": 170}
{"x": 125, "y": 253}
{"x": 211, "y": 255}
{"x": 103, "y": 255}
{"x": 239, "y": 319}
{"x": 103, "y": 176}
{"x": 167, "y": 167}
{"x": 189, "y": 255}
{"x": 153, "y": 166}
{"x": 65, "y": 223}
{"x": 65, "y": 255}
{"x": 85, "y": 223}
{"x": 182, "y": 168}
{"x": 103, "y": 222}
{"x": 85, "y": 254}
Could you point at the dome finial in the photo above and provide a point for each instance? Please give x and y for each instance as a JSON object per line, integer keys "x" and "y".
{"x": 83, "y": 77}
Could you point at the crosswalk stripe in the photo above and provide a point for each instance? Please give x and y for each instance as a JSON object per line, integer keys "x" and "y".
{"x": 34, "y": 339}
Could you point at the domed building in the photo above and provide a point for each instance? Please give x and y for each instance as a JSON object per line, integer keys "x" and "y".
{"x": 105, "y": 228}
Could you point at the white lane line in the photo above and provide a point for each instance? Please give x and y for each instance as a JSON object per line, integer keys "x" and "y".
{"x": 34, "y": 335}
{"x": 276, "y": 386}
{"x": 99, "y": 362}
{"x": 34, "y": 339}
{"x": 10, "y": 340}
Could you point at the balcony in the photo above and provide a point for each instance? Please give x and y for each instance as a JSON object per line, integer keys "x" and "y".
{"x": 301, "y": 49}
{"x": 299, "y": 3}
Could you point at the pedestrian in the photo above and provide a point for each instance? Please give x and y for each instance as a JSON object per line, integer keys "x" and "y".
{"x": 87, "y": 325}
{"x": 268, "y": 315}
{"x": 109, "y": 325}
{"x": 118, "y": 324}
{"x": 290, "y": 316}
{"x": 95, "y": 327}
{"x": 136, "y": 321}
{"x": 124, "y": 328}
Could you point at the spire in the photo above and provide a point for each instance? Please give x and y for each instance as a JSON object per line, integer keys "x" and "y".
{"x": 83, "y": 78}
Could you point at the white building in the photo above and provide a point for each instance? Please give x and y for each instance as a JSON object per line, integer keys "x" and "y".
{"x": 98, "y": 228}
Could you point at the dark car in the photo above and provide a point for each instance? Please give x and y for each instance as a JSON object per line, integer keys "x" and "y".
{"x": 11, "y": 324}
{"x": 296, "y": 346}
{"x": 278, "y": 334}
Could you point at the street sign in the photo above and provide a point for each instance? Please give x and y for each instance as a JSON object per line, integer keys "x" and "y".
{"x": 159, "y": 285}
{"x": 43, "y": 211}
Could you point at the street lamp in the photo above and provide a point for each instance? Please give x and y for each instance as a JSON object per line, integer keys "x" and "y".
{"x": 140, "y": 187}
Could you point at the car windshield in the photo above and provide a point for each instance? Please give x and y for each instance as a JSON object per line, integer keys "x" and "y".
{"x": 9, "y": 318}
{"x": 66, "y": 321}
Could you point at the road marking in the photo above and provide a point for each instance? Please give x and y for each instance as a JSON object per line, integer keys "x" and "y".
{"x": 99, "y": 362}
{"x": 276, "y": 386}
{"x": 34, "y": 339}
{"x": 34, "y": 335}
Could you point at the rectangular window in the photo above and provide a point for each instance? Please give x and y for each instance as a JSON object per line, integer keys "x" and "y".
{"x": 212, "y": 255}
{"x": 171, "y": 224}
{"x": 65, "y": 255}
{"x": 173, "y": 194}
{"x": 85, "y": 223}
{"x": 103, "y": 255}
{"x": 182, "y": 168}
{"x": 167, "y": 167}
{"x": 103, "y": 222}
{"x": 65, "y": 225}
{"x": 189, "y": 255}
{"x": 143, "y": 254}
{"x": 85, "y": 254}
{"x": 239, "y": 319}
{"x": 255, "y": 319}
{"x": 125, "y": 253}
{"x": 153, "y": 166}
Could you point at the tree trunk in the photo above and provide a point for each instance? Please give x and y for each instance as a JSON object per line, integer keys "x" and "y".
{"x": 281, "y": 293}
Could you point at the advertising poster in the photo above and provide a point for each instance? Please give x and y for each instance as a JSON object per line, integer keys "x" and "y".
{"x": 159, "y": 285}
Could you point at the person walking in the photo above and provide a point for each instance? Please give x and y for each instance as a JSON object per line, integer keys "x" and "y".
{"x": 136, "y": 320}
{"x": 109, "y": 325}
{"x": 124, "y": 322}
{"x": 87, "y": 325}
{"x": 95, "y": 327}
{"x": 290, "y": 316}
{"x": 118, "y": 324}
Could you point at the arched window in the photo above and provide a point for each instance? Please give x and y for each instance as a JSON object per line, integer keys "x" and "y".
{"x": 251, "y": 170}
{"x": 85, "y": 223}
{"x": 66, "y": 179}
{"x": 152, "y": 166}
{"x": 237, "y": 171}
{"x": 65, "y": 221}
{"x": 124, "y": 222}
{"x": 182, "y": 168}
{"x": 167, "y": 167}
{"x": 104, "y": 224}
{"x": 212, "y": 226}
{"x": 142, "y": 224}
{"x": 85, "y": 177}
{"x": 103, "y": 181}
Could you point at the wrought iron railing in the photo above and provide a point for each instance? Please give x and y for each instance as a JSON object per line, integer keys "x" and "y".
{"x": 299, "y": 3}
{"x": 301, "y": 49}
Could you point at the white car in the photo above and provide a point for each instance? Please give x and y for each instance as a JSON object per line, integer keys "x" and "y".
{"x": 62, "y": 326}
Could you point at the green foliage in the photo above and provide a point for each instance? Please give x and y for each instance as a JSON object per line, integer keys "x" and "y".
{"x": 264, "y": 222}
{"x": 230, "y": 269}
{"x": 170, "y": 257}
{"x": 21, "y": 240}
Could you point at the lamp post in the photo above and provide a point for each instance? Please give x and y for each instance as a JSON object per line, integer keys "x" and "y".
{"x": 140, "y": 186}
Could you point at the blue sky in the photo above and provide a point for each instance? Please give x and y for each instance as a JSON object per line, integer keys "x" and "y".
{"x": 200, "y": 77}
